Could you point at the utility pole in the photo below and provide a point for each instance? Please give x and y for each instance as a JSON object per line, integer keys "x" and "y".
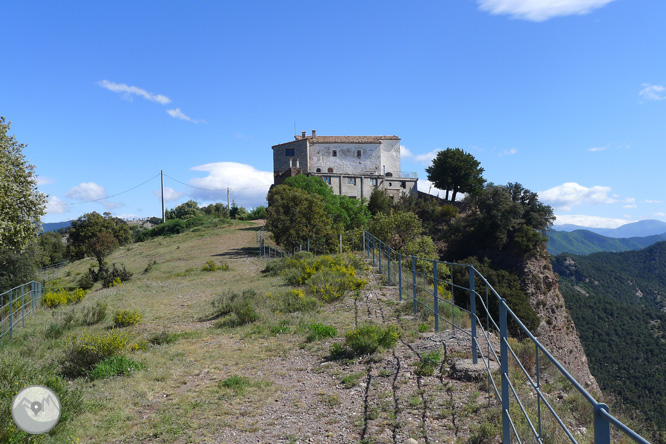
{"x": 162, "y": 179}
{"x": 228, "y": 206}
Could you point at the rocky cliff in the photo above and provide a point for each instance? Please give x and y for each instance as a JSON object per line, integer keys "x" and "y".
{"x": 557, "y": 331}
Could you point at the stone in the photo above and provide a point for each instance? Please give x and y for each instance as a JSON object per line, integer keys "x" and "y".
{"x": 465, "y": 370}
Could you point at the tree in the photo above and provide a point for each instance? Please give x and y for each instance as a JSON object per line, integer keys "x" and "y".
{"x": 294, "y": 216}
{"x": 88, "y": 226}
{"x": 100, "y": 247}
{"x": 380, "y": 202}
{"x": 402, "y": 232}
{"x": 455, "y": 170}
{"x": 185, "y": 210}
{"x": 21, "y": 204}
{"x": 51, "y": 248}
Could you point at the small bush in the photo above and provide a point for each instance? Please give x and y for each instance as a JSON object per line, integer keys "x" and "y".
{"x": 320, "y": 331}
{"x": 116, "y": 275}
{"x": 352, "y": 380}
{"x": 241, "y": 305}
{"x": 64, "y": 322}
{"x": 126, "y": 318}
{"x": 150, "y": 266}
{"x": 369, "y": 338}
{"x": 331, "y": 284}
{"x": 115, "y": 366}
{"x": 60, "y": 296}
{"x": 423, "y": 327}
{"x": 292, "y": 301}
{"x": 163, "y": 337}
{"x": 87, "y": 280}
{"x": 212, "y": 266}
{"x": 83, "y": 352}
{"x": 426, "y": 366}
{"x": 93, "y": 314}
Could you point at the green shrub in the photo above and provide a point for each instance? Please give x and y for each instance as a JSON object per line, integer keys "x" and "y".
{"x": 163, "y": 337}
{"x": 369, "y": 338}
{"x": 320, "y": 331}
{"x": 114, "y": 366}
{"x": 87, "y": 280}
{"x": 331, "y": 284}
{"x": 93, "y": 314}
{"x": 236, "y": 383}
{"x": 17, "y": 372}
{"x": 212, "y": 266}
{"x": 423, "y": 327}
{"x": 83, "y": 352}
{"x": 241, "y": 305}
{"x": 291, "y": 301}
{"x": 150, "y": 266}
{"x": 426, "y": 366}
{"x": 126, "y": 318}
{"x": 111, "y": 278}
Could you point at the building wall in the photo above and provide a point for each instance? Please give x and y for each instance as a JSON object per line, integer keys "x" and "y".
{"x": 390, "y": 157}
{"x": 363, "y": 186}
{"x": 347, "y": 160}
{"x": 281, "y": 160}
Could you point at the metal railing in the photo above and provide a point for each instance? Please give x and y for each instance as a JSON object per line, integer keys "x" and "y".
{"x": 16, "y": 304}
{"x": 50, "y": 272}
{"x": 344, "y": 242}
{"x": 434, "y": 290}
{"x": 409, "y": 174}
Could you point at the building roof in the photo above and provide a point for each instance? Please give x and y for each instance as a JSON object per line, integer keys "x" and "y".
{"x": 341, "y": 139}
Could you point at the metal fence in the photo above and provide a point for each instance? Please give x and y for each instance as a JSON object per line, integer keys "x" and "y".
{"x": 16, "y": 304}
{"x": 50, "y": 272}
{"x": 345, "y": 242}
{"x": 435, "y": 287}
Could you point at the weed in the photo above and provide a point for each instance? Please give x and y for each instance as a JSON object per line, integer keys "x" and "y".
{"x": 369, "y": 338}
{"x": 330, "y": 400}
{"x": 239, "y": 384}
{"x": 423, "y": 328}
{"x": 352, "y": 380}
{"x": 95, "y": 314}
{"x": 281, "y": 328}
{"x": 426, "y": 366}
{"x": 163, "y": 337}
{"x": 126, "y": 318}
{"x": 150, "y": 266}
{"x": 241, "y": 305}
{"x": 115, "y": 366}
{"x": 320, "y": 331}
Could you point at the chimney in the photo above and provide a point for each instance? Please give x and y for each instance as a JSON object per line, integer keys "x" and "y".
{"x": 302, "y": 134}
{"x": 314, "y": 133}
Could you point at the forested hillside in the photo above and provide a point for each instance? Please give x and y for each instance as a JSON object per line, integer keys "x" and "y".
{"x": 588, "y": 242}
{"x": 617, "y": 303}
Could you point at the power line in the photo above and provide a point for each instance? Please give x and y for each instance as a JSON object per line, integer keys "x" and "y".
{"x": 210, "y": 189}
{"x": 107, "y": 197}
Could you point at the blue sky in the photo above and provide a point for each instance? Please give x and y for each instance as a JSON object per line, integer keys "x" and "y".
{"x": 567, "y": 97}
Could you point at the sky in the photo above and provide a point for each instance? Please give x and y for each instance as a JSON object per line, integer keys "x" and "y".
{"x": 566, "y": 97}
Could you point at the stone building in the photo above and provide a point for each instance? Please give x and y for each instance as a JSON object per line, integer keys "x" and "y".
{"x": 352, "y": 165}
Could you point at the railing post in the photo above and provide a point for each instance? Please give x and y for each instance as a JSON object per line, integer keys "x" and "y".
{"x": 364, "y": 249}
{"x": 504, "y": 368}
{"x": 414, "y": 281}
{"x": 388, "y": 264}
{"x": 453, "y": 308}
{"x": 435, "y": 293}
{"x": 32, "y": 295}
{"x": 373, "y": 251}
{"x": 22, "y": 306}
{"x": 601, "y": 425}
{"x": 11, "y": 314}
{"x": 399, "y": 276}
{"x": 472, "y": 309}
{"x": 380, "y": 257}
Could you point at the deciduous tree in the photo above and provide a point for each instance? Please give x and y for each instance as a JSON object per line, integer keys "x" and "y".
{"x": 21, "y": 204}
{"x": 456, "y": 170}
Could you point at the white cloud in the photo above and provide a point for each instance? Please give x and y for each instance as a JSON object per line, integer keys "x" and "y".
{"x": 598, "y": 148}
{"x": 87, "y": 191}
{"x": 510, "y": 152}
{"x": 178, "y": 114}
{"x": 590, "y": 221}
{"x": 648, "y": 201}
{"x": 566, "y": 196}
{"x": 127, "y": 92}
{"x": 55, "y": 205}
{"x": 170, "y": 194}
{"x": 540, "y": 10}
{"x": 660, "y": 214}
{"x": 653, "y": 92}
{"x": 112, "y": 205}
{"x": 249, "y": 186}
{"x": 629, "y": 206}
{"x": 43, "y": 180}
{"x": 405, "y": 153}
{"x": 420, "y": 158}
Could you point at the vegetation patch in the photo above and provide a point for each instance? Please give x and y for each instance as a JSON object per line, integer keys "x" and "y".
{"x": 94, "y": 314}
{"x": 126, "y": 318}
{"x": 241, "y": 305}
{"x": 238, "y": 385}
{"x": 428, "y": 362}
{"x": 366, "y": 340}
{"x": 84, "y": 351}
{"x": 115, "y": 366}
{"x": 320, "y": 331}
{"x": 60, "y": 296}
{"x": 212, "y": 266}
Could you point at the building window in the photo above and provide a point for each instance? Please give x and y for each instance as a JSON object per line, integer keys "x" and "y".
{"x": 290, "y": 152}
{"x": 373, "y": 182}
{"x": 319, "y": 170}
{"x": 330, "y": 170}
{"x": 389, "y": 174}
{"x": 335, "y": 153}
{"x": 358, "y": 153}
{"x": 390, "y": 184}
{"x": 403, "y": 184}
{"x": 327, "y": 179}
{"x": 351, "y": 181}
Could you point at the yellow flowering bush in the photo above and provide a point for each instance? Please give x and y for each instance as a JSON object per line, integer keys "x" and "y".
{"x": 83, "y": 351}
{"x": 60, "y": 296}
{"x": 126, "y": 318}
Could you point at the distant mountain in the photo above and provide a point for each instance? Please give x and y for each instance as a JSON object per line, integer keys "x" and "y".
{"x": 53, "y": 226}
{"x": 618, "y": 302}
{"x": 586, "y": 242}
{"x": 641, "y": 228}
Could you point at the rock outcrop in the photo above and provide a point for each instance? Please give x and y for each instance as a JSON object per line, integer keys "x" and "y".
{"x": 557, "y": 331}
